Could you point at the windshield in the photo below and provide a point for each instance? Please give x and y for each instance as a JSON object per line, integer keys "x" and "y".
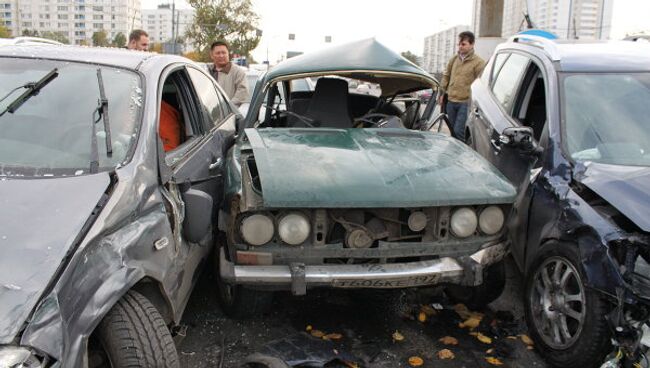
{"x": 606, "y": 118}
{"x": 50, "y": 134}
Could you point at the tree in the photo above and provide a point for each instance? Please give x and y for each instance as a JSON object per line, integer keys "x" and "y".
{"x": 56, "y": 36}
{"x": 156, "y": 47}
{"x": 119, "y": 40}
{"x": 4, "y": 32}
{"x": 410, "y": 57}
{"x": 230, "y": 20}
{"x": 100, "y": 38}
{"x": 30, "y": 32}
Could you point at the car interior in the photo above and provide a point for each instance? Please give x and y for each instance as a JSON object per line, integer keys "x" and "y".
{"x": 332, "y": 105}
{"x": 172, "y": 95}
{"x": 530, "y": 106}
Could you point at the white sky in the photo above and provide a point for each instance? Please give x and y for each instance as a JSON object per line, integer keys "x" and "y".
{"x": 400, "y": 24}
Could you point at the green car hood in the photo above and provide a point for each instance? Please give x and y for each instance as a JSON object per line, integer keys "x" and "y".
{"x": 366, "y": 168}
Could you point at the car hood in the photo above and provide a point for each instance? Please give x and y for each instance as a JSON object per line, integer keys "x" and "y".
{"x": 40, "y": 220}
{"x": 627, "y": 188}
{"x": 327, "y": 168}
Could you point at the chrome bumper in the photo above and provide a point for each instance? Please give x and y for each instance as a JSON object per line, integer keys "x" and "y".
{"x": 464, "y": 270}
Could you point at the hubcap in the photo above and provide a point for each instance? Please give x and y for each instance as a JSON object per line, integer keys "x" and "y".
{"x": 557, "y": 302}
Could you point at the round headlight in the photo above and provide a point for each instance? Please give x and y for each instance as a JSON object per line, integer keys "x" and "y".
{"x": 257, "y": 229}
{"x": 417, "y": 221}
{"x": 294, "y": 228}
{"x": 491, "y": 220}
{"x": 463, "y": 222}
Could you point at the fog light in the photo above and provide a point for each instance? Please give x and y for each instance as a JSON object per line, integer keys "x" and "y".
{"x": 257, "y": 229}
{"x": 294, "y": 228}
{"x": 491, "y": 220}
{"x": 417, "y": 221}
{"x": 463, "y": 222}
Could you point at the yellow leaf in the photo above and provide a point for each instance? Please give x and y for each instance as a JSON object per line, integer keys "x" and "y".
{"x": 308, "y": 328}
{"x": 332, "y": 336}
{"x": 351, "y": 364}
{"x": 428, "y": 310}
{"x": 317, "y": 333}
{"x": 527, "y": 340}
{"x": 448, "y": 340}
{"x": 471, "y": 323}
{"x": 445, "y": 354}
{"x": 484, "y": 339}
{"x": 398, "y": 336}
{"x": 512, "y": 337}
{"x": 493, "y": 361}
{"x": 422, "y": 317}
{"x": 415, "y": 361}
{"x": 462, "y": 311}
{"x": 530, "y": 347}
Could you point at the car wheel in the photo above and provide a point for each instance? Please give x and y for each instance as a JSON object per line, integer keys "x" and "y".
{"x": 239, "y": 302}
{"x": 565, "y": 318}
{"x": 133, "y": 334}
{"x": 477, "y": 297}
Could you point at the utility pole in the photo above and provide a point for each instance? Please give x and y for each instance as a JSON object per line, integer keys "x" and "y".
{"x": 174, "y": 26}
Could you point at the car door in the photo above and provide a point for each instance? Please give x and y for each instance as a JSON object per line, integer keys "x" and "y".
{"x": 193, "y": 183}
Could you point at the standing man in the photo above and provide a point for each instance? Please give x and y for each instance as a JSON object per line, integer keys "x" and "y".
{"x": 461, "y": 71}
{"x": 231, "y": 77}
{"x": 138, "y": 40}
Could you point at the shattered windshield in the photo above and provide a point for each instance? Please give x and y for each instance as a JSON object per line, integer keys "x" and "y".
{"x": 50, "y": 133}
{"x": 606, "y": 118}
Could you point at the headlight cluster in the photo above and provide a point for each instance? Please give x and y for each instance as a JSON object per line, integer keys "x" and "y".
{"x": 464, "y": 221}
{"x": 258, "y": 229}
{"x": 19, "y": 357}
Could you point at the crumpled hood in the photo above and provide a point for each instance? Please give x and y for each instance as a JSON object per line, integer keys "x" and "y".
{"x": 39, "y": 221}
{"x": 328, "y": 168}
{"x": 627, "y": 188}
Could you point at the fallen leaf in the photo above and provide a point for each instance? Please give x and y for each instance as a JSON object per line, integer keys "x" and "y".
{"x": 484, "y": 339}
{"x": 493, "y": 361}
{"x": 398, "y": 336}
{"x": 351, "y": 364}
{"x": 462, "y": 311}
{"x": 448, "y": 340}
{"x": 332, "y": 336}
{"x": 428, "y": 310}
{"x": 489, "y": 351}
{"x": 317, "y": 333}
{"x": 415, "y": 361}
{"x": 530, "y": 347}
{"x": 512, "y": 337}
{"x": 422, "y": 317}
{"x": 445, "y": 354}
{"x": 472, "y": 323}
{"x": 527, "y": 340}
{"x": 308, "y": 328}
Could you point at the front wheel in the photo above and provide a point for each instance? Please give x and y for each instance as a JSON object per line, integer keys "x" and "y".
{"x": 133, "y": 334}
{"x": 565, "y": 318}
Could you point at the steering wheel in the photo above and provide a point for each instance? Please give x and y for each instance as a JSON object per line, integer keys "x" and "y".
{"x": 371, "y": 120}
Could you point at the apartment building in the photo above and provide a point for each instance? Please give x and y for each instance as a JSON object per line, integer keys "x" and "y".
{"x": 77, "y": 20}
{"x": 158, "y": 23}
{"x": 439, "y": 48}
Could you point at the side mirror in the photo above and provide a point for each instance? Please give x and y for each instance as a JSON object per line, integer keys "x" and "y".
{"x": 520, "y": 138}
{"x": 198, "y": 214}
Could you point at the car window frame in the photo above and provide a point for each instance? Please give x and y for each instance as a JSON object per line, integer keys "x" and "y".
{"x": 518, "y": 83}
{"x": 223, "y": 112}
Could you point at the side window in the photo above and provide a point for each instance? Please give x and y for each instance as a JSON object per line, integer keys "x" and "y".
{"x": 530, "y": 106}
{"x": 507, "y": 81}
{"x": 499, "y": 60}
{"x": 208, "y": 95}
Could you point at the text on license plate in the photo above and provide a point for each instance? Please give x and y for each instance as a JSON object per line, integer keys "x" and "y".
{"x": 388, "y": 283}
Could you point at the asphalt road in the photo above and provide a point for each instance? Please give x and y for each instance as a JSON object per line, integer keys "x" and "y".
{"x": 366, "y": 323}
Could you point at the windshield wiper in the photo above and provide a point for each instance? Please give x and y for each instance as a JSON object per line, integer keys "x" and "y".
{"x": 102, "y": 113}
{"x": 33, "y": 88}
{"x": 310, "y": 122}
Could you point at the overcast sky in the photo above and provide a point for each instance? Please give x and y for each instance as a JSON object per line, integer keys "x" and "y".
{"x": 400, "y": 24}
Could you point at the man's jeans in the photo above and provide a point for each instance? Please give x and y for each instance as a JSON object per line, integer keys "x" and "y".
{"x": 457, "y": 113}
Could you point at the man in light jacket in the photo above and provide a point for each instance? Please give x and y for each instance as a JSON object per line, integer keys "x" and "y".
{"x": 231, "y": 77}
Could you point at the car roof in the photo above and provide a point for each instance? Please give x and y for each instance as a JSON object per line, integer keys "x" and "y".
{"x": 362, "y": 56}
{"x": 595, "y": 56}
{"x": 129, "y": 59}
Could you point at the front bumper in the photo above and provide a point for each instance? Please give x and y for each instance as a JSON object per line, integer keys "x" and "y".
{"x": 467, "y": 270}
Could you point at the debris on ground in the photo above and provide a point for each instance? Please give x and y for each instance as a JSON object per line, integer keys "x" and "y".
{"x": 445, "y": 354}
{"x": 415, "y": 361}
{"x": 397, "y": 336}
{"x": 448, "y": 340}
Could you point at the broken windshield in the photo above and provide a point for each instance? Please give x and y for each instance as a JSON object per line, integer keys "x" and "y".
{"x": 51, "y": 134}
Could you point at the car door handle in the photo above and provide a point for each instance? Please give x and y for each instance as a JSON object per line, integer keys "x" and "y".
{"x": 495, "y": 145}
{"x": 215, "y": 164}
{"x": 477, "y": 113}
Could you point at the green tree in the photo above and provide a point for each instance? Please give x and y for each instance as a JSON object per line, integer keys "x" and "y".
{"x": 119, "y": 40}
{"x": 30, "y": 32}
{"x": 4, "y": 31}
{"x": 230, "y": 20}
{"x": 56, "y": 36}
{"x": 100, "y": 38}
{"x": 410, "y": 57}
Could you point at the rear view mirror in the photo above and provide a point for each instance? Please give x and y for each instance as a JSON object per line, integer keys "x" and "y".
{"x": 198, "y": 214}
{"x": 520, "y": 138}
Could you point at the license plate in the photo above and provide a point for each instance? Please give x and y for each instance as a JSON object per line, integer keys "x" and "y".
{"x": 388, "y": 283}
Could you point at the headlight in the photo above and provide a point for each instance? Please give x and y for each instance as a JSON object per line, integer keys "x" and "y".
{"x": 463, "y": 222}
{"x": 417, "y": 221}
{"x": 491, "y": 220}
{"x": 18, "y": 357}
{"x": 257, "y": 229}
{"x": 294, "y": 228}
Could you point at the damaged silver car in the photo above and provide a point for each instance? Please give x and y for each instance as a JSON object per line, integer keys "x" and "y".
{"x": 328, "y": 188}
{"x": 104, "y": 226}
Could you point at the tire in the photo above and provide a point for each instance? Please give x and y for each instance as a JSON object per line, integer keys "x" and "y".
{"x": 237, "y": 301}
{"x": 478, "y": 297}
{"x": 582, "y": 335}
{"x": 134, "y": 334}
